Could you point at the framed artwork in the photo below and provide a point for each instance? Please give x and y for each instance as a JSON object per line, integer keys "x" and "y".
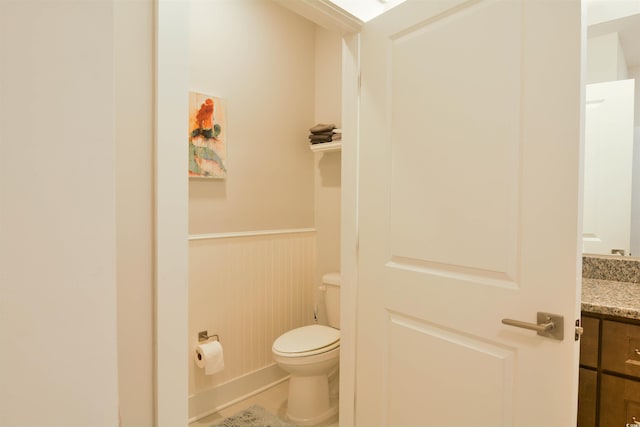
{"x": 207, "y": 136}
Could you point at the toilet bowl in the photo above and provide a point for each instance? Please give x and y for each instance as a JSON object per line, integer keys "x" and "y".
{"x": 310, "y": 354}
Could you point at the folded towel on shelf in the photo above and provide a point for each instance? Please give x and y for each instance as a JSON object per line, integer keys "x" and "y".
{"x": 320, "y": 136}
{"x": 337, "y": 130}
{"x": 325, "y": 138}
{"x": 316, "y": 141}
{"x": 322, "y": 127}
{"x": 337, "y": 137}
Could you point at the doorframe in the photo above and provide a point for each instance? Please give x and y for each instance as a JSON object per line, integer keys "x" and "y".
{"x": 171, "y": 209}
{"x": 349, "y": 226}
{"x": 171, "y": 213}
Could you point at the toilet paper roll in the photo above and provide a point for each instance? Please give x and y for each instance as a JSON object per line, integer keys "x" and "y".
{"x": 210, "y": 357}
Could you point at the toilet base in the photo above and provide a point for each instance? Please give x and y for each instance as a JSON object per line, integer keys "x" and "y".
{"x": 321, "y": 418}
{"x": 309, "y": 403}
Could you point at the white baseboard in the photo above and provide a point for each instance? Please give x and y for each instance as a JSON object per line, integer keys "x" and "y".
{"x": 215, "y": 399}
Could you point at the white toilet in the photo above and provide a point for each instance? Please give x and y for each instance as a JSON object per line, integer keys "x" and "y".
{"x": 310, "y": 354}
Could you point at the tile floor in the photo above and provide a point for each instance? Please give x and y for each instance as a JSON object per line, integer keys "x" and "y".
{"x": 273, "y": 400}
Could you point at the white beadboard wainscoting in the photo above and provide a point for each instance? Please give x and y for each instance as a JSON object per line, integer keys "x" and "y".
{"x": 248, "y": 288}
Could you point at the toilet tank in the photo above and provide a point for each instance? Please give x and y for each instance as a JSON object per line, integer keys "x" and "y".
{"x": 331, "y": 284}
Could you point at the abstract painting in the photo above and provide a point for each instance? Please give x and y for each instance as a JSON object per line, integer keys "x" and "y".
{"x": 207, "y": 136}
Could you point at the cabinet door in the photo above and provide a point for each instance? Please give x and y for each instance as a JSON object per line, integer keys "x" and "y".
{"x": 587, "y": 398}
{"x": 619, "y": 401}
{"x": 589, "y": 342}
{"x": 621, "y": 348}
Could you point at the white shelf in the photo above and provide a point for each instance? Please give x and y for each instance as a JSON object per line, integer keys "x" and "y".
{"x": 326, "y": 146}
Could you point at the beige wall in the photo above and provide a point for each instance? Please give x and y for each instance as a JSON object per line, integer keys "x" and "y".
{"x": 327, "y": 165}
{"x": 134, "y": 41}
{"x": 605, "y": 59}
{"x": 279, "y": 74}
{"x": 58, "y": 363}
{"x": 634, "y": 73}
{"x": 249, "y": 291}
{"x": 259, "y": 57}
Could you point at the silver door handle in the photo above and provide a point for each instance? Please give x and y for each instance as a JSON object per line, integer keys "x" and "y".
{"x": 548, "y": 325}
{"x": 544, "y": 327}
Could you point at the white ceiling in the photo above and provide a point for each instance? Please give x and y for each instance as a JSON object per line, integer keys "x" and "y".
{"x": 628, "y": 29}
{"x": 366, "y": 10}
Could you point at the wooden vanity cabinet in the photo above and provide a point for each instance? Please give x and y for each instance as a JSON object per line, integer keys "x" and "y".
{"x": 621, "y": 348}
{"x": 609, "y": 383}
{"x": 619, "y": 401}
{"x": 588, "y": 377}
{"x": 589, "y": 342}
{"x": 587, "y": 398}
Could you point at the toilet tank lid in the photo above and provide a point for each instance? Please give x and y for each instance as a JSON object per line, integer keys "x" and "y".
{"x": 332, "y": 279}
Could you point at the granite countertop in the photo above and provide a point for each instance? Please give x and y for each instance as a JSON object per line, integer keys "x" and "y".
{"x": 610, "y": 297}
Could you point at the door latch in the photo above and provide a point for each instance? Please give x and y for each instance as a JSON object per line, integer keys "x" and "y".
{"x": 579, "y": 330}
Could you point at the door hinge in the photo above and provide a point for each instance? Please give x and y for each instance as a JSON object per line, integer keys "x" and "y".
{"x": 579, "y": 330}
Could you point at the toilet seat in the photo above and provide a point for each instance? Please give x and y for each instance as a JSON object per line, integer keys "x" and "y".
{"x": 307, "y": 341}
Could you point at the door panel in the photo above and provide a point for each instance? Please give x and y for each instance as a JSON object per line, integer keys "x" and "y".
{"x": 432, "y": 355}
{"x": 469, "y": 161}
{"x": 475, "y": 225}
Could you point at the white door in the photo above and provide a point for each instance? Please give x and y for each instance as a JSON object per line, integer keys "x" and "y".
{"x": 469, "y": 141}
{"x": 608, "y": 166}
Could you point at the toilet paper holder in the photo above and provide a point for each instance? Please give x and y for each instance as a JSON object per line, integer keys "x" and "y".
{"x": 203, "y": 336}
